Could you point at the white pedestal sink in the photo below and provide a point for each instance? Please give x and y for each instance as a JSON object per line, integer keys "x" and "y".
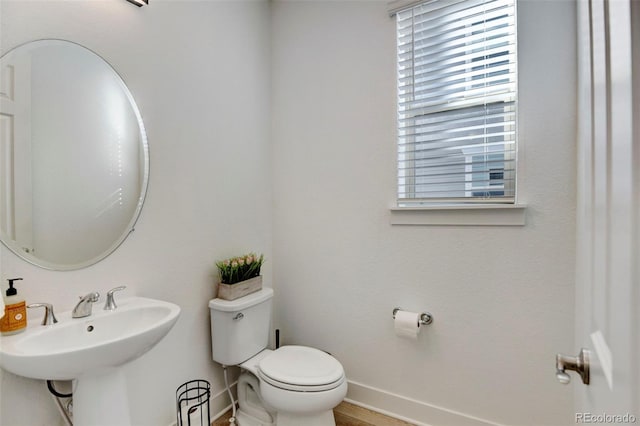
{"x": 92, "y": 351}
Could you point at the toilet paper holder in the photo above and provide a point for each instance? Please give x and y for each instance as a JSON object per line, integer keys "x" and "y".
{"x": 425, "y": 318}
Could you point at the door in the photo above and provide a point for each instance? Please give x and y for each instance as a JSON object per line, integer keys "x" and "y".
{"x": 15, "y": 153}
{"x": 608, "y": 209}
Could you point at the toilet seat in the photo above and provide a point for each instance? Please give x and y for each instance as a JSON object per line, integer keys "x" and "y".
{"x": 301, "y": 369}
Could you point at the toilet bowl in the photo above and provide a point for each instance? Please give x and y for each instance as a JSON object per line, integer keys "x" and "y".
{"x": 299, "y": 379}
{"x": 289, "y": 386}
{"x": 299, "y": 384}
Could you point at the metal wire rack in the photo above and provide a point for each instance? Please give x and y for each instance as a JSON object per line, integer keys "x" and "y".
{"x": 192, "y": 403}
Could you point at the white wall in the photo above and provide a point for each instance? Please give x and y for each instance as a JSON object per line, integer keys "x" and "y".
{"x": 502, "y": 297}
{"x": 199, "y": 72}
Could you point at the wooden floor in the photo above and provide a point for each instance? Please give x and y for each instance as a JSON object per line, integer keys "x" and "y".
{"x": 346, "y": 415}
{"x": 351, "y": 415}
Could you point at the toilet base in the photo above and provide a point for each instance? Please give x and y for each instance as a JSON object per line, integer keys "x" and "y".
{"x": 253, "y": 411}
{"x": 244, "y": 419}
{"x": 283, "y": 419}
{"x": 251, "y": 408}
{"x": 324, "y": 418}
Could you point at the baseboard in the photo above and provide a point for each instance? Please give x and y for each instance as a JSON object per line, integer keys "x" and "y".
{"x": 408, "y": 409}
{"x": 383, "y": 402}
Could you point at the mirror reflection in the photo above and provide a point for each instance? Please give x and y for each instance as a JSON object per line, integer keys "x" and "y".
{"x": 73, "y": 155}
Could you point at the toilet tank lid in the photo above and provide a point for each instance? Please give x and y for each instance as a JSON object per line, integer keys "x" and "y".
{"x": 242, "y": 302}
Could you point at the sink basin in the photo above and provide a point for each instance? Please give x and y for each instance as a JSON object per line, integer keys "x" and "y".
{"x": 91, "y": 350}
{"x": 72, "y": 347}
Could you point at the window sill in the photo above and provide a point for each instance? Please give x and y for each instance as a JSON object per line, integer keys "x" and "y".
{"x": 472, "y": 215}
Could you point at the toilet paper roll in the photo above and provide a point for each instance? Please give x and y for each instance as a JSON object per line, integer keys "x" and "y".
{"x": 192, "y": 415}
{"x": 407, "y": 324}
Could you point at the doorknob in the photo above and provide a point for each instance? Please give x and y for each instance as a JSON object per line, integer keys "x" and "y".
{"x": 579, "y": 364}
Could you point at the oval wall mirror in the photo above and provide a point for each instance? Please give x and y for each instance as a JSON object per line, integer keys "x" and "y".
{"x": 74, "y": 160}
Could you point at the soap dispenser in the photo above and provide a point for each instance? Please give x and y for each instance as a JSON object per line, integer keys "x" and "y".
{"x": 15, "y": 311}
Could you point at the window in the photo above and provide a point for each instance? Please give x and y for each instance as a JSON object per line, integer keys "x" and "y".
{"x": 456, "y": 102}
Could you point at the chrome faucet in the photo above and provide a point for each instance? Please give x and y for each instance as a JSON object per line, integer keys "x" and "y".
{"x": 49, "y": 317}
{"x": 83, "y": 308}
{"x": 110, "y": 304}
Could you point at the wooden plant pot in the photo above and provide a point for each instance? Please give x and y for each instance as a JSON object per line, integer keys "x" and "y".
{"x": 237, "y": 290}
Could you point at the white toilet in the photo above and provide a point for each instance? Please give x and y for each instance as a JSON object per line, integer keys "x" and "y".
{"x": 289, "y": 386}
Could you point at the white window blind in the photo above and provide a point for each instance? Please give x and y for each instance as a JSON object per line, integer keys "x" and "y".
{"x": 457, "y": 102}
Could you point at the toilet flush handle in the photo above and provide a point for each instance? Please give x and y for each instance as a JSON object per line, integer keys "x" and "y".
{"x": 238, "y": 316}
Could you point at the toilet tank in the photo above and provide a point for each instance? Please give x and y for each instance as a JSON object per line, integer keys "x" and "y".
{"x": 240, "y": 328}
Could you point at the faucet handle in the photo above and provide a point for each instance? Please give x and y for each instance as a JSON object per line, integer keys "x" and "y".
{"x": 110, "y": 304}
{"x": 91, "y": 297}
{"x": 49, "y": 317}
{"x": 83, "y": 308}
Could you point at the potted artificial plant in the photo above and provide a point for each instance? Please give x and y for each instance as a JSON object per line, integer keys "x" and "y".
{"x": 239, "y": 276}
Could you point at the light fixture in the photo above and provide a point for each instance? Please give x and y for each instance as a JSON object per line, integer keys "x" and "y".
{"x": 139, "y": 3}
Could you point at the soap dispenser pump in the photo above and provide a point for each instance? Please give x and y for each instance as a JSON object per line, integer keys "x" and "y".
{"x": 15, "y": 311}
